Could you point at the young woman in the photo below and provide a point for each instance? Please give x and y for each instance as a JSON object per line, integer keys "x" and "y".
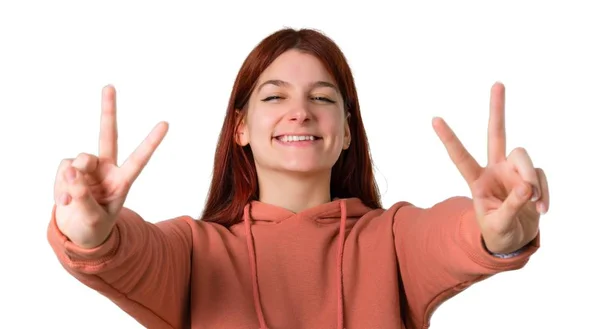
{"x": 293, "y": 233}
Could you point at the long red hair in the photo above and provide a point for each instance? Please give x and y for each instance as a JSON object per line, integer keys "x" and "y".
{"x": 234, "y": 181}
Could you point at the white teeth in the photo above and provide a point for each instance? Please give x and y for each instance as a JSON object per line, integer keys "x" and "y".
{"x": 294, "y": 138}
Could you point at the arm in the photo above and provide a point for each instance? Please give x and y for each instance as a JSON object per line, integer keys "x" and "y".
{"x": 441, "y": 252}
{"x": 142, "y": 267}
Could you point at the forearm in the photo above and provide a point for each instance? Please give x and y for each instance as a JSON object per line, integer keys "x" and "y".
{"x": 441, "y": 252}
{"x": 142, "y": 267}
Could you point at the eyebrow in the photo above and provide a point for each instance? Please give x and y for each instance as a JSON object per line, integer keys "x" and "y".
{"x": 281, "y": 83}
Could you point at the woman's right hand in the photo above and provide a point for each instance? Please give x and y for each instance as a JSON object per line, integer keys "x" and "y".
{"x": 90, "y": 190}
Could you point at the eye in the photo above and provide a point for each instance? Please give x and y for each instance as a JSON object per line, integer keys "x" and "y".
{"x": 323, "y": 99}
{"x": 270, "y": 98}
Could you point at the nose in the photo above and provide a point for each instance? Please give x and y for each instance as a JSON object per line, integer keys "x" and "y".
{"x": 300, "y": 112}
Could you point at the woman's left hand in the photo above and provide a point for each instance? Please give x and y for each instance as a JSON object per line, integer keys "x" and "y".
{"x": 510, "y": 194}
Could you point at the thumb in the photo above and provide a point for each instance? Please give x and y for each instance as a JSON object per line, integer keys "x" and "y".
{"x": 518, "y": 197}
{"x": 77, "y": 192}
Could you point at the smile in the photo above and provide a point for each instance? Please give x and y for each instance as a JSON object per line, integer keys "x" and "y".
{"x": 297, "y": 140}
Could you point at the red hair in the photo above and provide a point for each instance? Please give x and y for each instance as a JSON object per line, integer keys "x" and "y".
{"x": 234, "y": 181}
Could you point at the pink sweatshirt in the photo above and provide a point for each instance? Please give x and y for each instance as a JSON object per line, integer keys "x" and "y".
{"x": 337, "y": 265}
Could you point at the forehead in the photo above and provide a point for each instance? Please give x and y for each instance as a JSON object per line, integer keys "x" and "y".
{"x": 296, "y": 68}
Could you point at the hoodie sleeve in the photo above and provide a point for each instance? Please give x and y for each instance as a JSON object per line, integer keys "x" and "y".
{"x": 142, "y": 267}
{"x": 441, "y": 252}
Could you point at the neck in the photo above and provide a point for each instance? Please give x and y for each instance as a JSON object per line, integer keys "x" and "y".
{"x": 294, "y": 192}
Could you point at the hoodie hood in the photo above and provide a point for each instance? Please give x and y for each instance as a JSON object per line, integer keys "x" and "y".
{"x": 337, "y": 210}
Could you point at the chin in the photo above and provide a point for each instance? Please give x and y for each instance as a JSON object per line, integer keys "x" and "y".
{"x": 301, "y": 171}
{"x": 296, "y": 165}
{"x": 304, "y": 169}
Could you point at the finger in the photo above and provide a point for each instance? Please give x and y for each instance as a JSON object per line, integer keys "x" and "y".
{"x": 76, "y": 187}
{"x": 466, "y": 164}
{"x": 61, "y": 197}
{"x": 496, "y": 125}
{"x": 522, "y": 162}
{"x": 79, "y": 193}
{"x": 72, "y": 189}
{"x": 108, "y": 125}
{"x": 136, "y": 162}
{"x": 516, "y": 200}
{"x": 86, "y": 163}
{"x": 543, "y": 204}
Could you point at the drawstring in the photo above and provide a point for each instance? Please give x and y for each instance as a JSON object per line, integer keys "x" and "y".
{"x": 340, "y": 322}
{"x": 340, "y": 257}
{"x": 252, "y": 253}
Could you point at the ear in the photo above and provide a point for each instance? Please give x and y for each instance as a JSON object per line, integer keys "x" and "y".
{"x": 347, "y": 134}
{"x": 241, "y": 131}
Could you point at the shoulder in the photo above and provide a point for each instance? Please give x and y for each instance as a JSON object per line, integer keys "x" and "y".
{"x": 190, "y": 226}
{"x": 400, "y": 210}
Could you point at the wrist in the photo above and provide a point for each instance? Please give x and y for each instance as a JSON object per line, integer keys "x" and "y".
{"x": 506, "y": 252}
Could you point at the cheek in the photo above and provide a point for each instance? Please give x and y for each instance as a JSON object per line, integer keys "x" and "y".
{"x": 260, "y": 127}
{"x": 333, "y": 125}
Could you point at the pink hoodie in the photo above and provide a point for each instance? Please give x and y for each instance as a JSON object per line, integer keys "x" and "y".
{"x": 337, "y": 265}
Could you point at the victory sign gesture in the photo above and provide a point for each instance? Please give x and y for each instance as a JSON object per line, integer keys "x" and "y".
{"x": 510, "y": 194}
{"x": 90, "y": 190}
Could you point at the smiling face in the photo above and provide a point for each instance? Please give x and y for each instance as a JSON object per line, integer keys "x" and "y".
{"x": 295, "y": 119}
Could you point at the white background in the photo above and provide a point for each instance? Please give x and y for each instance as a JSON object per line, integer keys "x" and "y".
{"x": 177, "y": 62}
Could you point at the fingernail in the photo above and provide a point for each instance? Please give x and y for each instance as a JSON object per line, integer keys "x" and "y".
{"x": 536, "y": 194}
{"x": 65, "y": 199}
{"x": 542, "y": 208}
{"x": 70, "y": 174}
